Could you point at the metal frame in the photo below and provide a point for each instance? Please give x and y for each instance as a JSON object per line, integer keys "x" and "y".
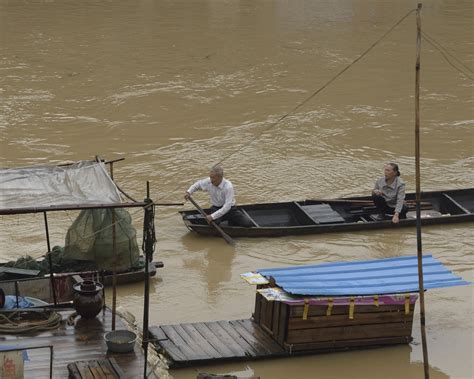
{"x": 51, "y": 348}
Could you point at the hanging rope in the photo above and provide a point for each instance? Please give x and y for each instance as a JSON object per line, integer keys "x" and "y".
{"x": 445, "y": 53}
{"x": 8, "y": 324}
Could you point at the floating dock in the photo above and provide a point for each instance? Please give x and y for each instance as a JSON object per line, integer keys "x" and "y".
{"x": 203, "y": 342}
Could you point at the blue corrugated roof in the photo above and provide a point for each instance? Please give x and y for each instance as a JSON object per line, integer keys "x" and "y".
{"x": 373, "y": 277}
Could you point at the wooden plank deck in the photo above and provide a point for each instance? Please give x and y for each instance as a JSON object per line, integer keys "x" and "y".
{"x": 81, "y": 342}
{"x": 196, "y": 343}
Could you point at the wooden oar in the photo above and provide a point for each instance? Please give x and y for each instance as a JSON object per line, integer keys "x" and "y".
{"x": 224, "y": 235}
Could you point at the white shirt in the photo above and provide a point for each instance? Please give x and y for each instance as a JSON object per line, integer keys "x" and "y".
{"x": 221, "y": 196}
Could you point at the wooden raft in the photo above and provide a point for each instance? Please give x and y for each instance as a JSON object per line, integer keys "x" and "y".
{"x": 187, "y": 344}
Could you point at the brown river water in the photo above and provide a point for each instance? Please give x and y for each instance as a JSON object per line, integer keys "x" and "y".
{"x": 176, "y": 86}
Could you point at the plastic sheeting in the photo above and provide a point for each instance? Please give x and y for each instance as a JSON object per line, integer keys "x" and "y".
{"x": 374, "y": 277}
{"x": 84, "y": 182}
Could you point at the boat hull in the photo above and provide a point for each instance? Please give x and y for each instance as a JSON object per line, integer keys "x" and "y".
{"x": 339, "y": 215}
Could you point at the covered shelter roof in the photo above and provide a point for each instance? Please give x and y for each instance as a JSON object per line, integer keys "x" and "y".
{"x": 81, "y": 185}
{"x": 369, "y": 277}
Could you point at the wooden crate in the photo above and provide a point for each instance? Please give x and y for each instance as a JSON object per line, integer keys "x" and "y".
{"x": 330, "y": 324}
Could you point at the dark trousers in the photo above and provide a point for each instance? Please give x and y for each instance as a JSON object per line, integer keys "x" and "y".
{"x": 234, "y": 217}
{"x": 383, "y": 208}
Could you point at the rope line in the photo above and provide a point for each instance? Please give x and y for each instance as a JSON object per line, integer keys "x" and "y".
{"x": 7, "y": 325}
{"x": 319, "y": 89}
{"x": 445, "y": 53}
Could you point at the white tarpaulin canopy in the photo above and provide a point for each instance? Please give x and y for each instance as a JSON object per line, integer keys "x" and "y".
{"x": 81, "y": 183}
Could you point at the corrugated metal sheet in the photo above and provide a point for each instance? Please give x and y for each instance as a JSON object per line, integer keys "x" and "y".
{"x": 373, "y": 277}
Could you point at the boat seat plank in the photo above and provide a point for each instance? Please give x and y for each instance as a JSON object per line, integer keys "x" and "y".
{"x": 306, "y": 218}
{"x": 323, "y": 214}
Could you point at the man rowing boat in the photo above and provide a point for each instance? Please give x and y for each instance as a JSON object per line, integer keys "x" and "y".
{"x": 221, "y": 192}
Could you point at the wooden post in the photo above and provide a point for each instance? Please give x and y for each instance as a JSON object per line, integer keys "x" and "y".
{"x": 114, "y": 259}
{"x": 50, "y": 259}
{"x": 148, "y": 247}
{"x": 418, "y": 196}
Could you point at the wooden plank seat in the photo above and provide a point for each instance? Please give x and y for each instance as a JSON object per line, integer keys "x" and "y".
{"x": 323, "y": 214}
{"x": 96, "y": 369}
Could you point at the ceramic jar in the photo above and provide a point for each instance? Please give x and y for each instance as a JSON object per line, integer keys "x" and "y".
{"x": 88, "y": 299}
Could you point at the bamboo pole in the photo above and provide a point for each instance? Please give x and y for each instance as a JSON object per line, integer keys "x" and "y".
{"x": 148, "y": 247}
{"x": 418, "y": 197}
{"x": 114, "y": 259}
{"x": 50, "y": 259}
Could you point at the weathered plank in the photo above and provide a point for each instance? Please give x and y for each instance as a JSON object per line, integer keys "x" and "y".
{"x": 342, "y": 333}
{"x": 275, "y": 319}
{"x": 318, "y": 347}
{"x": 201, "y": 342}
{"x": 264, "y": 338}
{"x": 182, "y": 344}
{"x": 240, "y": 349}
{"x": 214, "y": 340}
{"x": 319, "y": 310}
{"x": 261, "y": 349}
{"x": 172, "y": 350}
{"x": 237, "y": 338}
{"x": 343, "y": 320}
{"x": 156, "y": 333}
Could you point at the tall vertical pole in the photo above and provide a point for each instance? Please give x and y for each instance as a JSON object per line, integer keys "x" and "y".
{"x": 419, "y": 250}
{"x": 114, "y": 259}
{"x": 50, "y": 259}
{"x": 148, "y": 246}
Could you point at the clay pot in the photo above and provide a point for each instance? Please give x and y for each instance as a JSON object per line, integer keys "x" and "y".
{"x": 88, "y": 299}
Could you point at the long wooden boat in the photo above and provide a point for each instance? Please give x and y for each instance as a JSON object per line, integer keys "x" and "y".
{"x": 338, "y": 215}
{"x": 130, "y": 276}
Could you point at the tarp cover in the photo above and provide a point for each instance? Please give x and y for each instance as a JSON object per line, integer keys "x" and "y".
{"x": 84, "y": 182}
{"x": 374, "y": 277}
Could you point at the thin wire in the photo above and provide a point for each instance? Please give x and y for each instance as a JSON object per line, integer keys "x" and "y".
{"x": 318, "y": 90}
{"x": 445, "y": 53}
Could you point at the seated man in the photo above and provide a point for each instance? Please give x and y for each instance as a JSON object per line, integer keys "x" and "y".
{"x": 222, "y": 197}
{"x": 389, "y": 194}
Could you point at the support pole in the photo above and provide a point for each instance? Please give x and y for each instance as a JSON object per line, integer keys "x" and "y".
{"x": 114, "y": 259}
{"x": 148, "y": 246}
{"x": 50, "y": 259}
{"x": 418, "y": 196}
